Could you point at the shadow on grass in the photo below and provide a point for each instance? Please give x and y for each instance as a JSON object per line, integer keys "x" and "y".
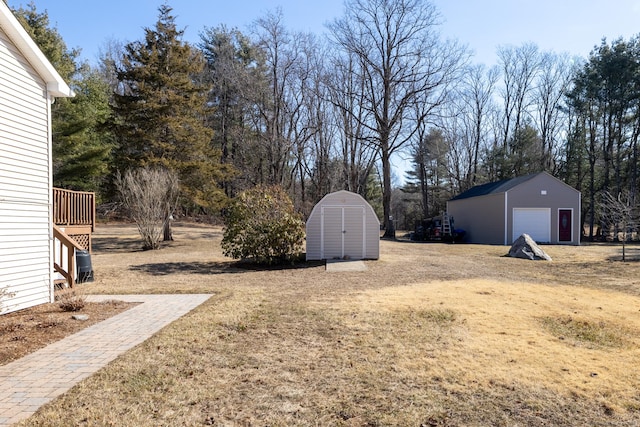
{"x": 297, "y": 265}
{"x": 632, "y": 254}
{"x": 116, "y": 245}
{"x": 134, "y": 244}
{"x": 163, "y": 269}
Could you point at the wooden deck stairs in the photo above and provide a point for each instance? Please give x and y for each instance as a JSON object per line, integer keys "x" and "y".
{"x": 74, "y": 214}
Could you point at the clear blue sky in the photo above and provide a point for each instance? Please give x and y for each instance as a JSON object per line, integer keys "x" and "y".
{"x": 572, "y": 26}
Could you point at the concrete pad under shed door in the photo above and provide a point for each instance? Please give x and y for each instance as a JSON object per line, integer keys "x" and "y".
{"x": 335, "y": 266}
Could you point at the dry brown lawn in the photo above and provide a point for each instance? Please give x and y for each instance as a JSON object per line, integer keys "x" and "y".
{"x": 430, "y": 335}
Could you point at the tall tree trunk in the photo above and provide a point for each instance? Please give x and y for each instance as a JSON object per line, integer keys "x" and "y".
{"x": 390, "y": 231}
{"x": 592, "y": 182}
{"x": 168, "y": 232}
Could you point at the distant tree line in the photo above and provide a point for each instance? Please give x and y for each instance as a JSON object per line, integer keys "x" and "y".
{"x": 313, "y": 115}
{"x": 537, "y": 111}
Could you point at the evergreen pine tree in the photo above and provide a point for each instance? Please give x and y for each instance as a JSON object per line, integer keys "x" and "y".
{"x": 81, "y": 142}
{"x": 160, "y": 111}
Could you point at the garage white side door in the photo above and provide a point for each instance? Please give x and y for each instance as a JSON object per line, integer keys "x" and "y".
{"x": 536, "y": 222}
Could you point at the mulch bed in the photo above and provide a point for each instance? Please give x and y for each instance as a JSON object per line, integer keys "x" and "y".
{"x": 25, "y": 331}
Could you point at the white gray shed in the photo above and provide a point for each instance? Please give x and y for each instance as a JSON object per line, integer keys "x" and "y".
{"x": 343, "y": 226}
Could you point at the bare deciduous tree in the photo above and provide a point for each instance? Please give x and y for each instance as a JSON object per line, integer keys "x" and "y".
{"x": 347, "y": 95}
{"x": 150, "y": 197}
{"x": 620, "y": 216}
{"x": 402, "y": 61}
{"x": 286, "y": 67}
{"x": 553, "y": 84}
{"x": 476, "y": 94}
{"x": 519, "y": 68}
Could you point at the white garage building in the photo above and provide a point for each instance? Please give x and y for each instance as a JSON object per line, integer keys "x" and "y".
{"x": 343, "y": 226}
{"x": 499, "y": 212}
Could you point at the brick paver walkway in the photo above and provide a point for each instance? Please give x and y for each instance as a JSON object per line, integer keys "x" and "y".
{"x": 30, "y": 382}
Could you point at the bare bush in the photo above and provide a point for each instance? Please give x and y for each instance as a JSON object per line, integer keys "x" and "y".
{"x": 71, "y": 299}
{"x": 150, "y": 196}
{"x": 5, "y": 294}
{"x": 620, "y": 215}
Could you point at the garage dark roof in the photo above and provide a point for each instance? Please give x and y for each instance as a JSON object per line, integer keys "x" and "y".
{"x": 495, "y": 187}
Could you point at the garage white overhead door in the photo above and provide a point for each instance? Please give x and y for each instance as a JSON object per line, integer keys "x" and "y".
{"x": 536, "y": 222}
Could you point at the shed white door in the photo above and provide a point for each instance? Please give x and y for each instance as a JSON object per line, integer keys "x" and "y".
{"x": 342, "y": 232}
{"x": 536, "y": 222}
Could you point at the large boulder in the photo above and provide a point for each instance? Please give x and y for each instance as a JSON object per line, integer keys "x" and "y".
{"x": 525, "y": 247}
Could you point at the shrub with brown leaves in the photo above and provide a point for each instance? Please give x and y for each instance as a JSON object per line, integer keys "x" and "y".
{"x": 71, "y": 299}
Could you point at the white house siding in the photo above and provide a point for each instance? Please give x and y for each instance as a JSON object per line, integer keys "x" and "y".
{"x": 25, "y": 187}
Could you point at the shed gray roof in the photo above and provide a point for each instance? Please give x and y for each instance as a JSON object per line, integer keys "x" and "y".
{"x": 496, "y": 187}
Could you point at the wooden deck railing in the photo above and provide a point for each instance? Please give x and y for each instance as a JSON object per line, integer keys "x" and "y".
{"x": 65, "y": 262}
{"x": 74, "y": 208}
